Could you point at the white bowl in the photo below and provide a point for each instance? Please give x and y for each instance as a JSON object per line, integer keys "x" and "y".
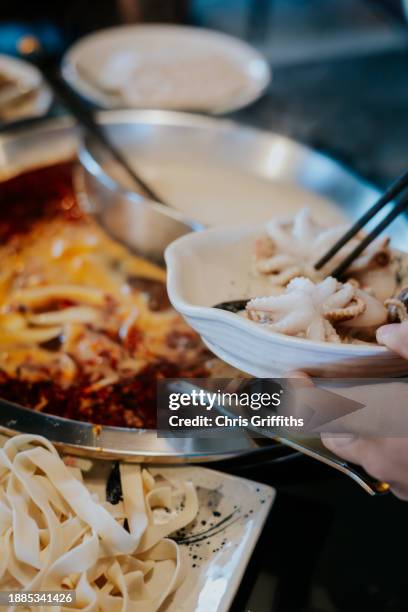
{"x": 214, "y": 266}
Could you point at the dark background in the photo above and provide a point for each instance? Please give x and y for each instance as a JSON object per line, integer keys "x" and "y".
{"x": 340, "y": 84}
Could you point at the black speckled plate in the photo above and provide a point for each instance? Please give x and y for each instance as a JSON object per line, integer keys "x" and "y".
{"x": 219, "y": 542}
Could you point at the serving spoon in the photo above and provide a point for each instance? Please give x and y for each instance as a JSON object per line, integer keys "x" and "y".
{"x": 234, "y": 306}
{"x": 145, "y": 227}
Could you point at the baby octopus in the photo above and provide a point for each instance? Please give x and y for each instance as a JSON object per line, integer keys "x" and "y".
{"x": 290, "y": 248}
{"x": 315, "y": 310}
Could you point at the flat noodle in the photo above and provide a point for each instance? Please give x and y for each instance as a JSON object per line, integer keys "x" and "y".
{"x": 39, "y": 295}
{"x": 55, "y": 535}
{"x": 75, "y": 314}
{"x": 29, "y": 336}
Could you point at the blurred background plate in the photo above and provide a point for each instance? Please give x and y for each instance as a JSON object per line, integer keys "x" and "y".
{"x": 23, "y": 93}
{"x": 142, "y": 66}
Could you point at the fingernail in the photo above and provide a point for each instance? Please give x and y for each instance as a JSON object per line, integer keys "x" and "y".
{"x": 338, "y": 441}
{"x": 384, "y": 332}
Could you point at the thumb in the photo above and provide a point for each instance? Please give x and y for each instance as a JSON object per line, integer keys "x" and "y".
{"x": 395, "y": 337}
{"x": 347, "y": 446}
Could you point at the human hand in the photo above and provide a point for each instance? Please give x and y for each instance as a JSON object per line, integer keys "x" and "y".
{"x": 386, "y": 459}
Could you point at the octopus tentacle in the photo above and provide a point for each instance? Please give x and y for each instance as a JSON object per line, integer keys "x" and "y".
{"x": 276, "y": 263}
{"x": 331, "y": 333}
{"x": 281, "y": 303}
{"x": 317, "y": 330}
{"x": 341, "y": 297}
{"x": 292, "y": 323}
{"x": 326, "y": 290}
{"x": 345, "y": 313}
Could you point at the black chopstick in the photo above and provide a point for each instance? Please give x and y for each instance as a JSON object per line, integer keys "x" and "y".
{"x": 390, "y": 193}
{"x": 399, "y": 207}
{"x": 84, "y": 116}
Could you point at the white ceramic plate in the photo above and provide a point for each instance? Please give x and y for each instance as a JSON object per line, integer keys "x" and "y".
{"x": 28, "y": 78}
{"x": 218, "y": 562}
{"x": 96, "y": 65}
{"x": 214, "y": 266}
{"x": 225, "y": 540}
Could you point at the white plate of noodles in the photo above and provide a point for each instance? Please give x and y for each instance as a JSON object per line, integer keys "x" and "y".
{"x": 173, "y": 538}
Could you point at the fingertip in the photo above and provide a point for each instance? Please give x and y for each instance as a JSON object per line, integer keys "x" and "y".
{"x": 337, "y": 443}
{"x": 394, "y": 337}
{"x": 385, "y": 332}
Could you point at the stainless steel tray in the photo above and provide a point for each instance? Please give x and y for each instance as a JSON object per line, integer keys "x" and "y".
{"x": 205, "y": 138}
